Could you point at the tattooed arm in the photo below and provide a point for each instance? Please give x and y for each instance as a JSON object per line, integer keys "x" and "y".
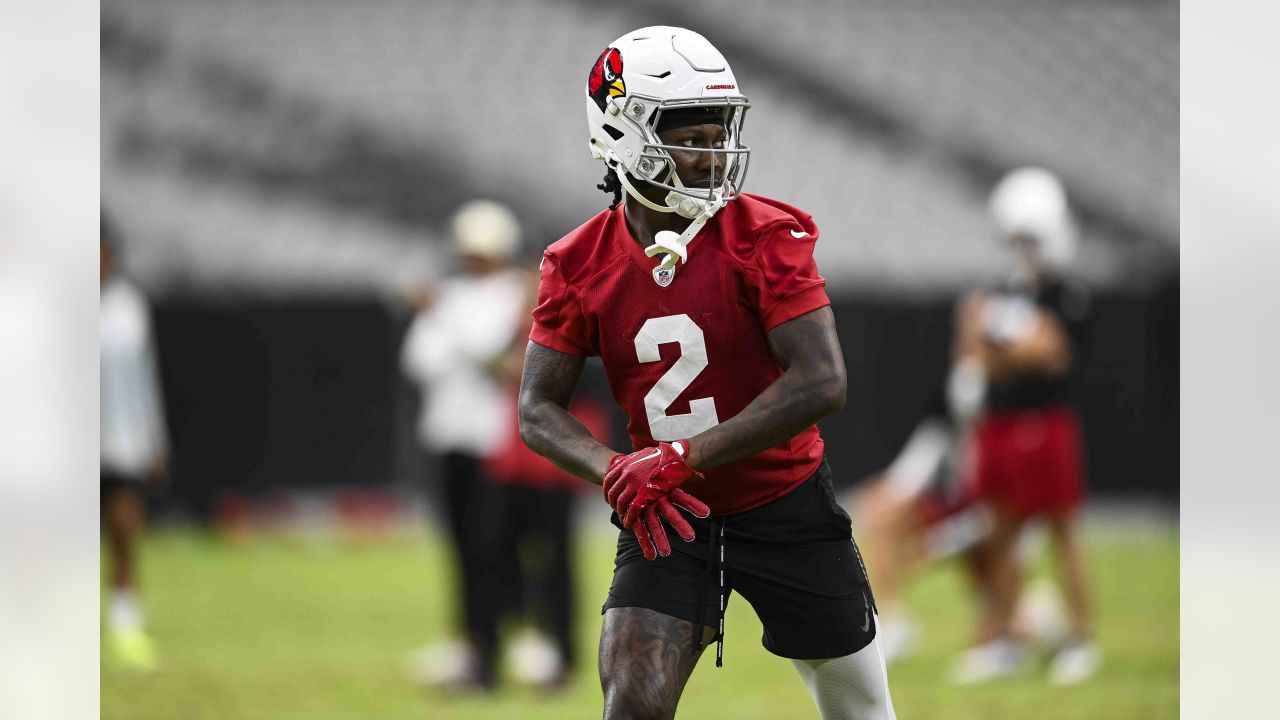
{"x": 812, "y": 387}
{"x": 546, "y": 386}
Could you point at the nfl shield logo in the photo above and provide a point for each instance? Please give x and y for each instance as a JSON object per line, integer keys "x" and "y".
{"x": 664, "y": 276}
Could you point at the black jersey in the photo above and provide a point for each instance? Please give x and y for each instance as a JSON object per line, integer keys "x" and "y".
{"x": 1070, "y": 304}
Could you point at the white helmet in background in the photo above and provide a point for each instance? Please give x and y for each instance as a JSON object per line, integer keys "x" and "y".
{"x": 1031, "y": 202}
{"x": 487, "y": 229}
{"x": 639, "y": 78}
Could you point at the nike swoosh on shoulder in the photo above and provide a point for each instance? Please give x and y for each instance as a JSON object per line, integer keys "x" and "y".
{"x": 798, "y": 235}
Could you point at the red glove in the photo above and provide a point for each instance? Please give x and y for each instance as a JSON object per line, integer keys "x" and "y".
{"x": 635, "y": 481}
{"x": 649, "y": 533}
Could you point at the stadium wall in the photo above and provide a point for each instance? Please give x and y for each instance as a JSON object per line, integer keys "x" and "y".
{"x": 264, "y": 395}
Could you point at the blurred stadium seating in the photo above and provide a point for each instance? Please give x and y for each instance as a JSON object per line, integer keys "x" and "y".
{"x": 1088, "y": 89}
{"x": 315, "y": 144}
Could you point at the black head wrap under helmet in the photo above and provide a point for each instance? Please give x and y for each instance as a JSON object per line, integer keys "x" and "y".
{"x": 684, "y": 117}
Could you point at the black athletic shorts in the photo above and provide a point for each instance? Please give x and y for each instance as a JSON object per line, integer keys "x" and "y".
{"x": 793, "y": 560}
{"x": 111, "y": 481}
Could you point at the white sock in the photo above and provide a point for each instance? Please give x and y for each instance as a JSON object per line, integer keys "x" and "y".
{"x": 124, "y": 614}
{"x": 853, "y": 687}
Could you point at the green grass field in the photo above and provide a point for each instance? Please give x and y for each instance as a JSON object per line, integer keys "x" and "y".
{"x": 284, "y": 630}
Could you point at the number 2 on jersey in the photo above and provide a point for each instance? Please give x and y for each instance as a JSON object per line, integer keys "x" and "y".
{"x": 693, "y": 360}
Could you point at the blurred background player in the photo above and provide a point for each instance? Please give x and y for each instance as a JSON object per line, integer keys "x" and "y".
{"x": 134, "y": 446}
{"x": 921, "y": 510}
{"x": 1025, "y": 341}
{"x": 914, "y": 512}
{"x": 454, "y": 350}
{"x": 536, "y": 550}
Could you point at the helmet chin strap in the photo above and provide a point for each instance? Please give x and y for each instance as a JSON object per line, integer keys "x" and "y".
{"x": 666, "y": 242}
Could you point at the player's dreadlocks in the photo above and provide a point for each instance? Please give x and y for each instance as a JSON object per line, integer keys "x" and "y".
{"x": 611, "y": 185}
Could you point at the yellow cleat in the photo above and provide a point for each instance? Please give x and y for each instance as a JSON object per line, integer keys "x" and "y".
{"x": 133, "y": 649}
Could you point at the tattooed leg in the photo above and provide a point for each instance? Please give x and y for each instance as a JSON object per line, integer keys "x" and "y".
{"x": 646, "y": 658}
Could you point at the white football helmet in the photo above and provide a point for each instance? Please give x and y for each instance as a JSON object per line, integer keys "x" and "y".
{"x": 487, "y": 229}
{"x": 1031, "y": 202}
{"x": 638, "y": 78}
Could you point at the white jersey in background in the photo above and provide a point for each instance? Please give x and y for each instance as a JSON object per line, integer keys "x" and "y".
{"x": 132, "y": 430}
{"x": 449, "y": 352}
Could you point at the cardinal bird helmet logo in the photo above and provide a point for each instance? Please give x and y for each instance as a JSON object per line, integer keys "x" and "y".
{"x": 605, "y": 80}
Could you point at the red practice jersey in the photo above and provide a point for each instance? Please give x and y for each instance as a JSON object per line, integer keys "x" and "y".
{"x": 687, "y": 350}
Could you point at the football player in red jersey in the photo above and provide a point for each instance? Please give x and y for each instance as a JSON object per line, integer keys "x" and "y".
{"x": 717, "y": 337}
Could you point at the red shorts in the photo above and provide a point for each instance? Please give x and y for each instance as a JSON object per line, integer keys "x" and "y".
{"x": 1029, "y": 461}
